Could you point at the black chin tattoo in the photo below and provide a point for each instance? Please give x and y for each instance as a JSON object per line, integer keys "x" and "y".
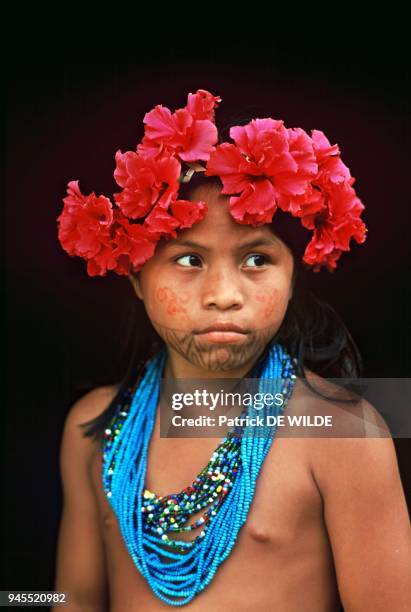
{"x": 217, "y": 357}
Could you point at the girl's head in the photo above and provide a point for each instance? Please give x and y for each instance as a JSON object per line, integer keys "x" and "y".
{"x": 217, "y": 271}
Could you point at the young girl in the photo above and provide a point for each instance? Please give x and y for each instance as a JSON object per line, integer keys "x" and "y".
{"x": 212, "y": 235}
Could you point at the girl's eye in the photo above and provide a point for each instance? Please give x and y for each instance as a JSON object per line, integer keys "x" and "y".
{"x": 190, "y": 258}
{"x": 259, "y": 257}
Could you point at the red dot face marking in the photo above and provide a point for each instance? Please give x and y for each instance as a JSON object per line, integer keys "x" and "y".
{"x": 161, "y": 294}
{"x": 173, "y": 308}
{"x": 269, "y": 299}
{"x": 173, "y": 303}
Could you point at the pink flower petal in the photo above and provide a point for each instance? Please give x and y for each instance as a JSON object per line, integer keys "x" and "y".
{"x": 203, "y": 136}
{"x": 256, "y": 205}
{"x": 159, "y": 123}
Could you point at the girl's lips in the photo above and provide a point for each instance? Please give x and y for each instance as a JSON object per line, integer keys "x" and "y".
{"x": 222, "y": 336}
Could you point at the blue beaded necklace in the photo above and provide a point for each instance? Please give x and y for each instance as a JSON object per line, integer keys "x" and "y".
{"x": 177, "y": 570}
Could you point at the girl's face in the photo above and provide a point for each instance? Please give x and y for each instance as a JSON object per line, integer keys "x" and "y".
{"x": 217, "y": 271}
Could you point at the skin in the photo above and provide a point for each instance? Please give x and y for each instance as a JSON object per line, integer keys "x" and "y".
{"x": 328, "y": 518}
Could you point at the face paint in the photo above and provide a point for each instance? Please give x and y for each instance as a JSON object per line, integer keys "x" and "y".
{"x": 172, "y": 302}
{"x": 270, "y": 299}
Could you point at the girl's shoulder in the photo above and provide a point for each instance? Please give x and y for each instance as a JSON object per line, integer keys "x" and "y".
{"x": 92, "y": 403}
{"x": 87, "y": 408}
{"x": 353, "y": 415}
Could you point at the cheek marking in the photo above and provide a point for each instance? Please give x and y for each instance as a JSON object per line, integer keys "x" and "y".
{"x": 161, "y": 294}
{"x": 166, "y": 296}
{"x": 174, "y": 308}
{"x": 270, "y": 299}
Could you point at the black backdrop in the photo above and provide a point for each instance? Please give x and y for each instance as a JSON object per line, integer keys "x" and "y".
{"x": 67, "y": 112}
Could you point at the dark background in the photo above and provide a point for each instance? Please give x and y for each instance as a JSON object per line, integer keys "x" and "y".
{"x": 66, "y": 113}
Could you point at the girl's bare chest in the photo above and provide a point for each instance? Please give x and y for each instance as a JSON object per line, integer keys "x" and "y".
{"x": 286, "y": 499}
{"x": 283, "y": 530}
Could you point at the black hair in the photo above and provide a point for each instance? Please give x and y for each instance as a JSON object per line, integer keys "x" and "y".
{"x": 312, "y": 332}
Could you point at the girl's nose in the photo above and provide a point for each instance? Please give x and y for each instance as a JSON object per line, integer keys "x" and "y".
{"x": 222, "y": 290}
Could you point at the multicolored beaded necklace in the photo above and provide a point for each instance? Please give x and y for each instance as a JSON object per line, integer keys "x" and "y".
{"x": 178, "y": 570}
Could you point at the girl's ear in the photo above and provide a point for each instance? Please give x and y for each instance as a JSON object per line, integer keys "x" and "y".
{"x": 135, "y": 282}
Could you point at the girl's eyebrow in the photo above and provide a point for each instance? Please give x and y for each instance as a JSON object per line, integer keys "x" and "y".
{"x": 250, "y": 244}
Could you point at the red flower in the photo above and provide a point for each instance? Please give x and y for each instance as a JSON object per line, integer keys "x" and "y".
{"x": 317, "y": 256}
{"x": 160, "y": 223}
{"x": 187, "y": 212}
{"x": 85, "y": 228}
{"x": 85, "y": 222}
{"x": 143, "y": 180}
{"x": 184, "y": 133}
{"x": 103, "y": 261}
{"x": 305, "y": 206}
{"x": 256, "y": 205}
{"x": 201, "y": 105}
{"x": 331, "y": 169}
{"x": 335, "y": 226}
{"x": 133, "y": 243}
{"x": 266, "y": 162}
{"x": 330, "y": 207}
{"x": 91, "y": 229}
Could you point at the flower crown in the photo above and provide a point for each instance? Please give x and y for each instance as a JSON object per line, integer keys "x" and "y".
{"x": 268, "y": 166}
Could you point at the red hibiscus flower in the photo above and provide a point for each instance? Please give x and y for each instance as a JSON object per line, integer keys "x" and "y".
{"x": 266, "y": 162}
{"x": 202, "y": 104}
{"x": 338, "y": 200}
{"x": 160, "y": 223}
{"x": 184, "y": 214}
{"x": 305, "y": 206}
{"x": 133, "y": 245}
{"x": 330, "y": 207}
{"x": 187, "y": 212}
{"x": 85, "y": 222}
{"x": 331, "y": 169}
{"x": 144, "y": 181}
{"x": 318, "y": 255}
{"x": 85, "y": 226}
{"x": 103, "y": 261}
{"x": 90, "y": 228}
{"x": 335, "y": 226}
{"x": 183, "y": 133}
{"x": 256, "y": 205}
